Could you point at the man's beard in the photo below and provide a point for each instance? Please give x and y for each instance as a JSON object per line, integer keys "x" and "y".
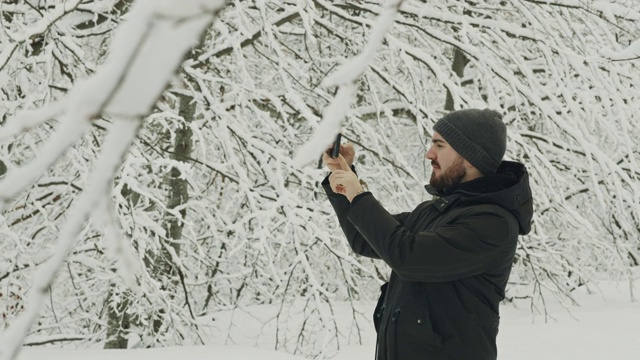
{"x": 452, "y": 176}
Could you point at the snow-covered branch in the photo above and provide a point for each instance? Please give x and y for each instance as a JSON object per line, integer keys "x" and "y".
{"x": 345, "y": 78}
{"x": 630, "y": 53}
{"x": 254, "y": 228}
{"x": 37, "y": 29}
{"x": 146, "y": 53}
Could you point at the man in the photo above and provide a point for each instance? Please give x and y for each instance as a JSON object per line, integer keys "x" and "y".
{"x": 451, "y": 256}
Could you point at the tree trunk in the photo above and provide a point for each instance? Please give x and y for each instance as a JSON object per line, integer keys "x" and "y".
{"x": 178, "y": 196}
{"x": 459, "y": 63}
{"x": 118, "y": 321}
{"x": 162, "y": 266}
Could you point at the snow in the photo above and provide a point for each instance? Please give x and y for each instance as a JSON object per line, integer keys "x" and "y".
{"x": 611, "y": 10}
{"x": 116, "y": 145}
{"x": 127, "y": 86}
{"x": 601, "y": 328}
{"x": 150, "y": 47}
{"x": 157, "y": 34}
{"x": 630, "y": 53}
{"x": 605, "y": 326}
{"x": 345, "y": 78}
{"x": 188, "y": 352}
{"x": 574, "y": 105}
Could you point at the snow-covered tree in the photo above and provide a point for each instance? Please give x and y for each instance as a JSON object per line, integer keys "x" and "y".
{"x": 208, "y": 210}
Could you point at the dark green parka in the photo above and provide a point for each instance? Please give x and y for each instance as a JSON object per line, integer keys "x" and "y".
{"x": 450, "y": 259}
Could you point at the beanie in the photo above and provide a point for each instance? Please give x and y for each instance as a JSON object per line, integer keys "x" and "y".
{"x": 477, "y": 135}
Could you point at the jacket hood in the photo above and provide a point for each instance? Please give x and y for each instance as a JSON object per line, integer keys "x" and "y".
{"x": 508, "y": 188}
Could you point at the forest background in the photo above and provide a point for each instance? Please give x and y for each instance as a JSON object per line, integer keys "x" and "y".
{"x": 158, "y": 159}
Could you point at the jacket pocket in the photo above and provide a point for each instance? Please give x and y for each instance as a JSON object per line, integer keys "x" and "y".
{"x": 379, "y": 310}
{"x": 483, "y": 331}
{"x": 413, "y": 335}
{"x": 488, "y": 324}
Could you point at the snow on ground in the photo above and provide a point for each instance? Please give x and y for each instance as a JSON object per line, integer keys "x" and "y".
{"x": 601, "y": 328}
{"x": 606, "y": 325}
{"x": 212, "y": 352}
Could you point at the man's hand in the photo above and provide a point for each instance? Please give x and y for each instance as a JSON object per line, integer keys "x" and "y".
{"x": 346, "y": 151}
{"x": 343, "y": 180}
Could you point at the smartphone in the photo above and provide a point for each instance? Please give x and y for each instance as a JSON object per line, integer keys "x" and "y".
{"x": 335, "y": 150}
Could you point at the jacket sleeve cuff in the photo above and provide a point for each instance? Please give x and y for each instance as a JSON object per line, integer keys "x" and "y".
{"x": 357, "y": 198}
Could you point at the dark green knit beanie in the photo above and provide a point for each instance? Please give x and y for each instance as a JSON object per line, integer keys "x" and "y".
{"x": 477, "y": 135}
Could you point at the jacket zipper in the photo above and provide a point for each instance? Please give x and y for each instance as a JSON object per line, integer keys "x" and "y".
{"x": 379, "y": 315}
{"x": 395, "y": 332}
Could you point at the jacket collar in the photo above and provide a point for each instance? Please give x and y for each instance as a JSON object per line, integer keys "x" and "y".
{"x": 442, "y": 203}
{"x": 508, "y": 188}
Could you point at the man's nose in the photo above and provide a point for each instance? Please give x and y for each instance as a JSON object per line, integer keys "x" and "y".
{"x": 430, "y": 154}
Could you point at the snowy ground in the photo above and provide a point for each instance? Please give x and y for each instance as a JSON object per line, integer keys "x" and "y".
{"x": 603, "y": 327}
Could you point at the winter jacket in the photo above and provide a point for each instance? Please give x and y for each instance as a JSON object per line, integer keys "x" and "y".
{"x": 450, "y": 259}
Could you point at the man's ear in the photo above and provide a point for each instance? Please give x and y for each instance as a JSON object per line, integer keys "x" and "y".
{"x": 467, "y": 164}
{"x": 471, "y": 170}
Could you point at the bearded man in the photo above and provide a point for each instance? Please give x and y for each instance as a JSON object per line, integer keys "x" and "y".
{"x": 450, "y": 257}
